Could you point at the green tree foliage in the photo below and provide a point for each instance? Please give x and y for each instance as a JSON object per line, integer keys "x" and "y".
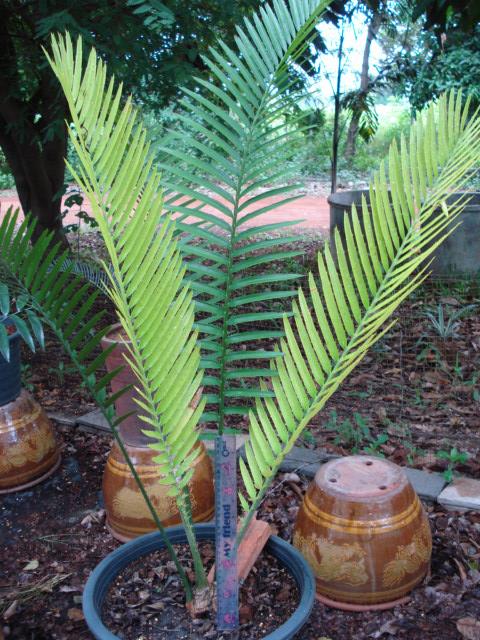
{"x": 441, "y": 13}
{"x": 432, "y": 66}
{"x": 146, "y": 44}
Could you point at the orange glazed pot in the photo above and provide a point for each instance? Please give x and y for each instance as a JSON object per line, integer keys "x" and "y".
{"x": 364, "y": 532}
{"x": 127, "y": 513}
{"x": 28, "y": 449}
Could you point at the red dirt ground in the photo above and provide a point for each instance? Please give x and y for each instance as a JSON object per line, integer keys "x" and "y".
{"x": 312, "y": 212}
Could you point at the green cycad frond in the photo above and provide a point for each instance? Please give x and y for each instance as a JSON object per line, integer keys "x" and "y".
{"x": 58, "y": 298}
{"x": 117, "y": 176}
{"x": 62, "y": 301}
{"x": 225, "y": 180}
{"x": 378, "y": 265}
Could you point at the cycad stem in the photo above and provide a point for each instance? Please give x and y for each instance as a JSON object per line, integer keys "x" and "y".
{"x": 185, "y": 512}
{"x": 185, "y": 508}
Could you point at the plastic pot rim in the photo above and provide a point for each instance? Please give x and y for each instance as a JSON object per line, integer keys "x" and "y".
{"x": 108, "y": 569}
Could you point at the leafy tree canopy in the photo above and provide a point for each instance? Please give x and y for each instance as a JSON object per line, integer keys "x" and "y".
{"x": 151, "y": 46}
{"x": 433, "y": 67}
{"x": 441, "y": 15}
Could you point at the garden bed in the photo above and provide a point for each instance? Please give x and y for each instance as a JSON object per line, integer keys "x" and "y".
{"x": 415, "y": 394}
{"x": 53, "y": 535}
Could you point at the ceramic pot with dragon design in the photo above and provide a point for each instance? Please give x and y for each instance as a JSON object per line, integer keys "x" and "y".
{"x": 127, "y": 513}
{"x": 29, "y": 452}
{"x": 364, "y": 532}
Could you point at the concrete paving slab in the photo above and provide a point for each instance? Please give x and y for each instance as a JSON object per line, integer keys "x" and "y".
{"x": 305, "y": 461}
{"x": 462, "y": 494}
{"x": 93, "y": 421}
{"x": 61, "y": 418}
{"x": 427, "y": 485}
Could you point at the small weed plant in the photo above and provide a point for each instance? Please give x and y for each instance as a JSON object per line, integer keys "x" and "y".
{"x": 453, "y": 458}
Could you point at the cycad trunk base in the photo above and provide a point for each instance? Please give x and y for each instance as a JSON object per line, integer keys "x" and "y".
{"x": 365, "y": 534}
{"x": 128, "y": 515}
{"x": 105, "y": 573}
{"x": 29, "y": 451}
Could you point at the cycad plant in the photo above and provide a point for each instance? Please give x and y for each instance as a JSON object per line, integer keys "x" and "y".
{"x": 160, "y": 279}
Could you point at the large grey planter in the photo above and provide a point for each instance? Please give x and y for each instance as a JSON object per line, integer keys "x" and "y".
{"x": 459, "y": 254}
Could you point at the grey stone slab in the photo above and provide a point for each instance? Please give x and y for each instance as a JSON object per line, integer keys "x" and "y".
{"x": 305, "y": 461}
{"x": 70, "y": 421}
{"x": 427, "y": 485}
{"x": 93, "y": 421}
{"x": 463, "y": 493}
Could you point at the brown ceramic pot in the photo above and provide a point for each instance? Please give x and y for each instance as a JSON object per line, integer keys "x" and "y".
{"x": 131, "y": 427}
{"x": 364, "y": 532}
{"x": 28, "y": 447}
{"x": 127, "y": 514}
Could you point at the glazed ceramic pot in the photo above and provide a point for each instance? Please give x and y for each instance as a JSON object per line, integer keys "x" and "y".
{"x": 28, "y": 449}
{"x": 127, "y": 513}
{"x": 364, "y": 532}
{"x": 131, "y": 427}
{"x": 105, "y": 574}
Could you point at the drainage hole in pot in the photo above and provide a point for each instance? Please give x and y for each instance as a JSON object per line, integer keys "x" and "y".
{"x": 382, "y": 487}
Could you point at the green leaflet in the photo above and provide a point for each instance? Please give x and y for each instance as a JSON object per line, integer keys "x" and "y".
{"x": 117, "y": 175}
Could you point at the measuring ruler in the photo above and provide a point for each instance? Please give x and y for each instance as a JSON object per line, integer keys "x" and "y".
{"x": 225, "y": 531}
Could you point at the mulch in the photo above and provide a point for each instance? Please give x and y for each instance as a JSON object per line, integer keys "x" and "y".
{"x": 54, "y": 534}
{"x": 147, "y": 599}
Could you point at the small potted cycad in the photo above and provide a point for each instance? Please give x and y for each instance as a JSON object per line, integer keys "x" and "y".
{"x": 159, "y": 280}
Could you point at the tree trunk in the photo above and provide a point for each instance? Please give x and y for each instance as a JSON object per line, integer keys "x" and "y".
{"x": 33, "y": 137}
{"x": 39, "y": 173}
{"x": 352, "y": 135}
{"x": 336, "y": 117}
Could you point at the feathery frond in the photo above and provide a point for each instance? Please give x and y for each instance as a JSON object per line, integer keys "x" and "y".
{"x": 116, "y": 175}
{"x": 229, "y": 178}
{"x": 378, "y": 265}
{"x": 56, "y": 298}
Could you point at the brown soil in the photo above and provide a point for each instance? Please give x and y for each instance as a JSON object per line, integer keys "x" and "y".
{"x": 54, "y": 534}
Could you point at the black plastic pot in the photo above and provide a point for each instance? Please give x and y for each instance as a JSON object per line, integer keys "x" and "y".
{"x": 105, "y": 573}
{"x": 10, "y": 372}
{"x": 459, "y": 254}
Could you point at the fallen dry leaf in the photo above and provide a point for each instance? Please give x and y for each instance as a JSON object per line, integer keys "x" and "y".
{"x": 75, "y": 614}
{"x": 11, "y": 610}
{"x": 97, "y": 517}
{"x": 469, "y": 628}
{"x": 31, "y": 566}
{"x": 67, "y": 588}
